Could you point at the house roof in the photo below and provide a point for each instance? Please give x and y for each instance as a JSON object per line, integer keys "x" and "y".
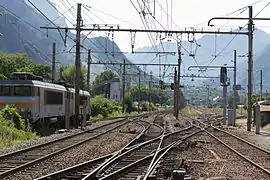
{"x": 115, "y": 79}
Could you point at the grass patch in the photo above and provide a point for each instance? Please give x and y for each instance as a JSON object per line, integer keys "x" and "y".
{"x": 10, "y": 133}
{"x": 218, "y": 110}
{"x": 189, "y": 112}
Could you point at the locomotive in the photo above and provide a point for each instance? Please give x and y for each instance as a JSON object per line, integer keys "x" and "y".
{"x": 44, "y": 105}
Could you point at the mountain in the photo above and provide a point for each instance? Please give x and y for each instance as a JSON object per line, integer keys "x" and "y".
{"x": 261, "y": 62}
{"x": 20, "y": 26}
{"x": 205, "y": 52}
{"x": 21, "y": 33}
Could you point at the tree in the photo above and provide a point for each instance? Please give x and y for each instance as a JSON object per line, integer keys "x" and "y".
{"x": 67, "y": 74}
{"x": 157, "y": 95}
{"x": 127, "y": 101}
{"x": 102, "y": 106}
{"x": 19, "y": 62}
{"x": 101, "y": 83}
{"x": 41, "y": 70}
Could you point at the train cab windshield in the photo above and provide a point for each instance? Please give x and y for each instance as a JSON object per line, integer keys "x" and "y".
{"x": 8, "y": 90}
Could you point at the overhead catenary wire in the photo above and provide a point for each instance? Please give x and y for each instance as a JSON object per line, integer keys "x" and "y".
{"x": 231, "y": 13}
{"x": 32, "y": 26}
{"x": 227, "y": 45}
{"x": 45, "y": 17}
{"x": 87, "y": 38}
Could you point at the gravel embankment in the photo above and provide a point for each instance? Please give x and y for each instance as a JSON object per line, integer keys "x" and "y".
{"x": 100, "y": 146}
{"x": 261, "y": 140}
{"x": 29, "y": 143}
{"x": 204, "y": 157}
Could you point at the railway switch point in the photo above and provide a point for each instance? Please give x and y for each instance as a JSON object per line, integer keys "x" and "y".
{"x": 178, "y": 174}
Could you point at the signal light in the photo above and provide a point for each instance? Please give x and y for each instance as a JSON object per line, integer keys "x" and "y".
{"x": 223, "y": 75}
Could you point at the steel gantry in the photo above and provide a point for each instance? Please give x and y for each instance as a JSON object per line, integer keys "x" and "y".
{"x": 249, "y": 33}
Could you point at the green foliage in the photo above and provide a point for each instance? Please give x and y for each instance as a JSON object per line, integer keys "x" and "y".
{"x": 254, "y": 98}
{"x": 152, "y": 107}
{"x": 2, "y": 76}
{"x": 67, "y": 74}
{"x": 12, "y": 133}
{"x": 189, "y": 112}
{"x": 157, "y": 95}
{"x": 10, "y": 113}
{"x": 146, "y": 107}
{"x": 103, "y": 106}
{"x": 10, "y": 63}
{"x": 127, "y": 101}
{"x": 101, "y": 85}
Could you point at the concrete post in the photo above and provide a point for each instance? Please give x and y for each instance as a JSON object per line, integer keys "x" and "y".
{"x": 258, "y": 118}
{"x": 230, "y": 117}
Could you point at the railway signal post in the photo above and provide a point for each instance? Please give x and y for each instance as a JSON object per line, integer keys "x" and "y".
{"x": 224, "y": 83}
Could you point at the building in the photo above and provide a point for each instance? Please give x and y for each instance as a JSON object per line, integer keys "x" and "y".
{"x": 115, "y": 89}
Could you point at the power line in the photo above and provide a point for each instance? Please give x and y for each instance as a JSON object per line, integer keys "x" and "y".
{"x": 45, "y": 17}
{"x": 110, "y": 15}
{"x": 227, "y": 45}
{"x": 63, "y": 14}
{"x": 27, "y": 23}
{"x": 231, "y": 13}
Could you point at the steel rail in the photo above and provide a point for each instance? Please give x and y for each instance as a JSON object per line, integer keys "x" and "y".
{"x": 98, "y": 174}
{"x": 243, "y": 140}
{"x": 157, "y": 151}
{"x": 3, "y": 156}
{"x": 146, "y": 157}
{"x": 123, "y": 118}
{"x": 239, "y": 154}
{"x": 123, "y": 154}
{"x": 31, "y": 163}
{"x": 70, "y": 169}
{"x": 180, "y": 141}
{"x": 123, "y": 150}
{"x": 89, "y": 163}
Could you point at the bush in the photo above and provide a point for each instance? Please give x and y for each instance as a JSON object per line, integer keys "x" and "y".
{"x": 145, "y": 106}
{"x": 152, "y": 107}
{"x": 12, "y": 133}
{"x": 103, "y": 106}
{"x": 128, "y": 102}
{"x": 10, "y": 113}
{"x": 134, "y": 108}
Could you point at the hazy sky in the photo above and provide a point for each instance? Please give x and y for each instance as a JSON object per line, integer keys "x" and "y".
{"x": 185, "y": 13}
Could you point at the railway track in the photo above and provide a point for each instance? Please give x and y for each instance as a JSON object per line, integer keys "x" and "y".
{"x": 136, "y": 161}
{"x": 20, "y": 160}
{"x": 81, "y": 170}
{"x": 252, "y": 153}
{"x": 140, "y": 149}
